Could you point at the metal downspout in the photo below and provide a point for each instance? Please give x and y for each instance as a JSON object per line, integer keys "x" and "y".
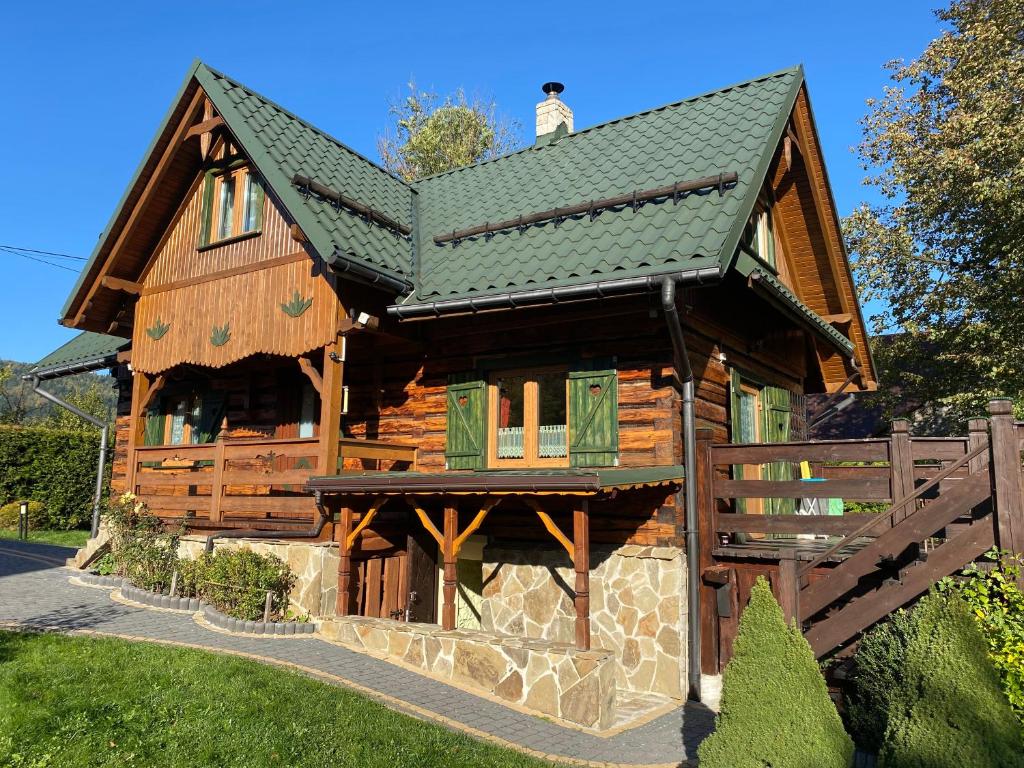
{"x": 685, "y": 373}
{"x": 104, "y": 441}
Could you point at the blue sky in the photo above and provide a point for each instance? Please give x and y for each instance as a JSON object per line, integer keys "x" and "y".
{"x": 85, "y": 85}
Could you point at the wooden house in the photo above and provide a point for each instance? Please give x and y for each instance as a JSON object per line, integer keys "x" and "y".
{"x": 459, "y": 401}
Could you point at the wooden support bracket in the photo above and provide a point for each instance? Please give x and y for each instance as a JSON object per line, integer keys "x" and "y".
{"x": 431, "y": 528}
{"x": 365, "y": 520}
{"x": 204, "y": 127}
{"x": 120, "y": 284}
{"x": 151, "y": 393}
{"x": 312, "y": 374}
{"x": 551, "y": 527}
{"x": 477, "y": 521}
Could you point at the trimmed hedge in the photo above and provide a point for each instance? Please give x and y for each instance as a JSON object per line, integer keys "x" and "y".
{"x": 55, "y": 467}
{"x": 950, "y": 711}
{"x": 775, "y": 705}
{"x": 236, "y": 582}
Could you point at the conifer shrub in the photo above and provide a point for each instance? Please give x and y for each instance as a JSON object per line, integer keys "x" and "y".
{"x": 775, "y": 706}
{"x": 950, "y": 711}
{"x": 877, "y": 680}
{"x": 37, "y": 517}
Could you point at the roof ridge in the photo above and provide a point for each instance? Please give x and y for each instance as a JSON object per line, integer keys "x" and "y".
{"x": 306, "y": 123}
{"x": 796, "y": 68}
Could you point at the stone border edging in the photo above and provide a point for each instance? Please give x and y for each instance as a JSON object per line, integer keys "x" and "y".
{"x": 231, "y": 624}
{"x": 145, "y": 597}
{"x": 97, "y": 580}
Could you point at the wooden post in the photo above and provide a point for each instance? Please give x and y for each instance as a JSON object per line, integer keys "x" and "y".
{"x": 581, "y": 562}
{"x": 136, "y": 426}
{"x": 789, "y": 586}
{"x": 344, "y": 562}
{"x": 217, "y": 481}
{"x": 1006, "y": 472}
{"x": 451, "y": 523}
{"x": 330, "y": 408}
{"x": 901, "y": 466}
{"x": 707, "y": 537}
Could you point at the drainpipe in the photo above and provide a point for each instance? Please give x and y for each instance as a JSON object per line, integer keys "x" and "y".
{"x": 104, "y": 440}
{"x": 685, "y": 373}
{"x": 244, "y": 533}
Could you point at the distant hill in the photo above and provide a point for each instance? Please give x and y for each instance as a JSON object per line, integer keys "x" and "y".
{"x": 20, "y": 405}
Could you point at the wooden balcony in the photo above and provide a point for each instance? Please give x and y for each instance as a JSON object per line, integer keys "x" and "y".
{"x": 247, "y": 483}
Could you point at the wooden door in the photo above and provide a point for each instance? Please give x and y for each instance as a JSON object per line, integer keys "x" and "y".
{"x": 379, "y": 585}
{"x": 421, "y": 592}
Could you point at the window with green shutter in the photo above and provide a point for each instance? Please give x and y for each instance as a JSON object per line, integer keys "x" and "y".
{"x": 593, "y": 419}
{"x": 466, "y": 434}
{"x": 777, "y": 416}
{"x": 153, "y": 433}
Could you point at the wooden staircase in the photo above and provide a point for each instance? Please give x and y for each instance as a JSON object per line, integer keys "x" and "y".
{"x": 941, "y": 518}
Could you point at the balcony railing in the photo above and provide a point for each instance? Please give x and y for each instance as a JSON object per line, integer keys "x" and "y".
{"x": 247, "y": 483}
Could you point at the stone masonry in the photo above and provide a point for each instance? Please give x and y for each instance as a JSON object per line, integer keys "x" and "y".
{"x": 635, "y": 606}
{"x": 552, "y": 679}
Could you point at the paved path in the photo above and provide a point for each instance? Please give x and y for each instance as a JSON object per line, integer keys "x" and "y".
{"x": 35, "y": 591}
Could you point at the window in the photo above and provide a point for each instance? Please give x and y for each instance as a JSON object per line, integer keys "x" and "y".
{"x": 761, "y": 414}
{"x": 759, "y": 235}
{"x": 183, "y": 418}
{"x": 307, "y": 411}
{"x": 232, "y": 204}
{"x": 528, "y": 415}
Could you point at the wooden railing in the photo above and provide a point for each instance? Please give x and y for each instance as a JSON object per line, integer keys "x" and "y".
{"x": 247, "y": 482}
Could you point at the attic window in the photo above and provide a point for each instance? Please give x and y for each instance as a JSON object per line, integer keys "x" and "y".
{"x": 232, "y": 204}
{"x": 759, "y": 235}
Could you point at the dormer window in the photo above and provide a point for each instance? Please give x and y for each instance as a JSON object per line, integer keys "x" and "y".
{"x": 232, "y": 204}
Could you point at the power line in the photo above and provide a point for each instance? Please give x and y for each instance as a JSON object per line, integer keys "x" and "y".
{"x": 41, "y": 261}
{"x": 43, "y": 253}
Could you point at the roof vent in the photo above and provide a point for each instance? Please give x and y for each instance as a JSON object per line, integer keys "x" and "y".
{"x": 552, "y": 112}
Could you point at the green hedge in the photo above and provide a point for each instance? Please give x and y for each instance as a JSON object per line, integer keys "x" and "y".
{"x": 55, "y": 467}
{"x": 776, "y": 711}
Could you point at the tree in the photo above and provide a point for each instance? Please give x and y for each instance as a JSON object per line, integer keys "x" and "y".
{"x": 89, "y": 395}
{"x": 945, "y": 250}
{"x": 433, "y": 135}
{"x": 17, "y": 402}
{"x": 776, "y": 710}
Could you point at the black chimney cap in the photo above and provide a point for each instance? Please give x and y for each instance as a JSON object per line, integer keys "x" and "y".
{"x": 552, "y": 88}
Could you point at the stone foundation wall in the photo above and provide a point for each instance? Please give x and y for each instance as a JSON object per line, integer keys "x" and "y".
{"x": 314, "y": 564}
{"x": 549, "y": 678}
{"x": 635, "y": 606}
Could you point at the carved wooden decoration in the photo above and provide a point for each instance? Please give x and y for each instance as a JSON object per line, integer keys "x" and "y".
{"x": 221, "y": 335}
{"x": 297, "y": 305}
{"x": 158, "y": 330}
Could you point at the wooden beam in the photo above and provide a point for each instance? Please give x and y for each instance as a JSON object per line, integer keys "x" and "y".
{"x": 140, "y": 385}
{"x": 155, "y": 179}
{"x": 297, "y": 234}
{"x": 365, "y": 520}
{"x": 450, "y": 556}
{"x": 331, "y": 396}
{"x": 344, "y": 563}
{"x": 206, "y": 126}
{"x": 206, "y": 139}
{"x": 425, "y": 519}
{"x": 550, "y": 526}
{"x": 120, "y": 284}
{"x": 477, "y": 521}
{"x": 312, "y": 374}
{"x": 1006, "y": 472}
{"x": 581, "y": 564}
{"x": 152, "y": 391}
{"x": 787, "y": 588}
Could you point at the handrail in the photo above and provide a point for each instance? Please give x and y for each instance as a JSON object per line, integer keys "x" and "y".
{"x": 892, "y": 510}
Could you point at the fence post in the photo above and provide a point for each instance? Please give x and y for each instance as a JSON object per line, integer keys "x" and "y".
{"x": 789, "y": 586}
{"x": 707, "y": 540}
{"x": 217, "y": 481}
{"x": 977, "y": 436}
{"x": 1006, "y": 473}
{"x": 901, "y": 466}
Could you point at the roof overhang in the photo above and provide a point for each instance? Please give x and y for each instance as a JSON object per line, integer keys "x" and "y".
{"x": 565, "y": 482}
{"x": 84, "y": 353}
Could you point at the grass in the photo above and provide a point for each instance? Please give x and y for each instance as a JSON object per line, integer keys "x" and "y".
{"x": 105, "y": 702}
{"x": 74, "y": 539}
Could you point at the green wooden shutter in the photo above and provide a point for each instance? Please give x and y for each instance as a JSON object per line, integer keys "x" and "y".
{"x": 777, "y": 416}
{"x": 206, "y": 215}
{"x": 593, "y": 419}
{"x": 153, "y": 433}
{"x": 257, "y": 201}
{"x": 211, "y": 414}
{"x": 466, "y": 438}
{"x": 735, "y": 429}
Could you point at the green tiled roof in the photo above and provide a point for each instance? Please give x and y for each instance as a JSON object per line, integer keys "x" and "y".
{"x": 86, "y": 350}
{"x": 282, "y": 145}
{"x": 734, "y": 129}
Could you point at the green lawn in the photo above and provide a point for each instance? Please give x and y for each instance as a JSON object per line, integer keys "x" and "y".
{"x": 74, "y": 539}
{"x": 104, "y": 702}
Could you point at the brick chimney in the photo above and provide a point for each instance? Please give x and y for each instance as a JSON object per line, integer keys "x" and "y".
{"x": 553, "y": 112}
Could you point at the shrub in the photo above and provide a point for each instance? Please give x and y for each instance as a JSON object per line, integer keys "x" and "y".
{"x": 236, "y": 582}
{"x": 997, "y": 604}
{"x": 775, "y": 706}
{"x": 141, "y": 550}
{"x": 876, "y": 680}
{"x": 52, "y": 466}
{"x": 9, "y": 514}
{"x": 949, "y": 711}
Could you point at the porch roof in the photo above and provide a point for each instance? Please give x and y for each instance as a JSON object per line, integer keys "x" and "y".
{"x": 566, "y": 482}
